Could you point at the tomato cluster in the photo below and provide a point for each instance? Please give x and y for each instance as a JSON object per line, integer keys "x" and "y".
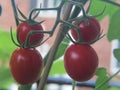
{"x": 81, "y": 60}
{"x": 26, "y": 62}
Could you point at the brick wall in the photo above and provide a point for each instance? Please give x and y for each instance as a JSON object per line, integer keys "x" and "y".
{"x": 7, "y": 18}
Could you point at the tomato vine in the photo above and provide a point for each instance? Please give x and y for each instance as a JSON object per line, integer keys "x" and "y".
{"x": 70, "y": 20}
{"x": 0, "y": 10}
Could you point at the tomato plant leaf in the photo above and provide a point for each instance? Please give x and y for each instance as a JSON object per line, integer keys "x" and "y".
{"x": 114, "y": 27}
{"x": 57, "y": 68}
{"x": 102, "y": 76}
{"x": 101, "y": 71}
{"x": 5, "y": 78}
{"x": 112, "y": 2}
{"x": 99, "y": 81}
{"x": 97, "y": 7}
{"x": 5, "y": 49}
{"x": 61, "y": 48}
{"x": 25, "y": 87}
{"x": 114, "y": 88}
{"x": 117, "y": 54}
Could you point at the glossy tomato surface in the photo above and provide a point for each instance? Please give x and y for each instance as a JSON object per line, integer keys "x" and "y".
{"x": 26, "y": 65}
{"x": 89, "y": 31}
{"x": 80, "y": 61}
{"x": 24, "y": 28}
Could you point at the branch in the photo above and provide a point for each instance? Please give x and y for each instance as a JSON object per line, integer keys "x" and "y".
{"x": 15, "y": 11}
{"x": 59, "y": 38}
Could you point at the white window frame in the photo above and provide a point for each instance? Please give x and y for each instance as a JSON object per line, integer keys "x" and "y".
{"x": 114, "y": 66}
{"x": 50, "y": 4}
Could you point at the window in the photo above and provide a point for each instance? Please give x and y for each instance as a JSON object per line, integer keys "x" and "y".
{"x": 114, "y": 67}
{"x": 48, "y": 4}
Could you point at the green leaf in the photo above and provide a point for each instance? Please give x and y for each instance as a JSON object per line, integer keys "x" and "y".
{"x": 60, "y": 52}
{"x": 5, "y": 78}
{"x": 97, "y": 7}
{"x": 101, "y": 71}
{"x": 57, "y": 68}
{"x": 100, "y": 80}
{"x": 25, "y": 87}
{"x": 102, "y": 76}
{"x": 6, "y": 46}
{"x": 61, "y": 49}
{"x": 114, "y": 88}
{"x": 117, "y": 54}
{"x": 114, "y": 27}
{"x": 112, "y": 2}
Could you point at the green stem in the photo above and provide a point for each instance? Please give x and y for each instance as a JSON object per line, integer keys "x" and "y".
{"x": 75, "y": 27}
{"x": 15, "y": 12}
{"x": 80, "y": 5}
{"x": 73, "y": 85}
{"x": 77, "y": 9}
{"x": 33, "y": 32}
{"x": 0, "y": 10}
{"x": 88, "y": 9}
{"x": 58, "y": 9}
{"x": 107, "y": 80}
{"x": 39, "y": 9}
{"x": 26, "y": 87}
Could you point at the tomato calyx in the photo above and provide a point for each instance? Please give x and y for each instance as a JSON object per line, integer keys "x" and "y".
{"x": 35, "y": 30}
{"x": 88, "y": 31}
{"x": 27, "y": 43}
{"x": 31, "y": 19}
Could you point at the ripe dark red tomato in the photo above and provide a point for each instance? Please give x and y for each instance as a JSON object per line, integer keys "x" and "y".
{"x": 88, "y": 32}
{"x": 26, "y": 65}
{"x": 80, "y": 61}
{"x": 24, "y": 28}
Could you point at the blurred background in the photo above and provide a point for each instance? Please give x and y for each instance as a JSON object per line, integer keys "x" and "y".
{"x": 103, "y": 47}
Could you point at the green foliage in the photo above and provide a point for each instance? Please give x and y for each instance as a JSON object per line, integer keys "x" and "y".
{"x": 114, "y": 27}
{"x": 98, "y": 6}
{"x": 102, "y": 76}
{"x": 6, "y": 48}
{"x": 117, "y": 54}
{"x": 57, "y": 68}
{"x": 61, "y": 49}
{"x": 5, "y": 78}
{"x": 25, "y": 87}
{"x": 60, "y": 52}
{"x": 114, "y": 88}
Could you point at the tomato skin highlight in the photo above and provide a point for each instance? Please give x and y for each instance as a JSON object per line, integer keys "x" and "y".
{"x": 23, "y": 30}
{"x": 80, "y": 62}
{"x": 88, "y": 32}
{"x": 26, "y": 65}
